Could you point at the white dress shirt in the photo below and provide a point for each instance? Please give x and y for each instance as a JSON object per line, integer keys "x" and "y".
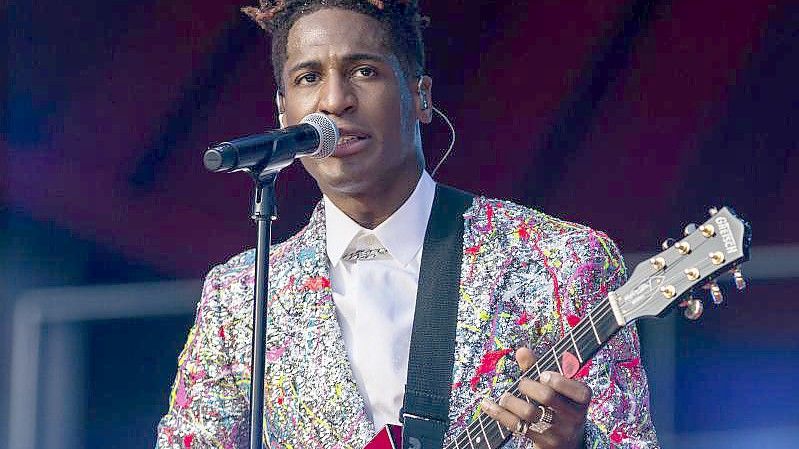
{"x": 375, "y": 298}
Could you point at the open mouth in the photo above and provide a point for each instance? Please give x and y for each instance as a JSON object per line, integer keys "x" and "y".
{"x": 344, "y": 140}
{"x": 350, "y": 142}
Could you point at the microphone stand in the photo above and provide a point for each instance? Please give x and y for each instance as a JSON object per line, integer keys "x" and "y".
{"x": 264, "y": 211}
{"x": 283, "y": 151}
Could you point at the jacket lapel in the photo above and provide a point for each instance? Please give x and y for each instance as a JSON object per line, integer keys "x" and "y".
{"x": 328, "y": 407}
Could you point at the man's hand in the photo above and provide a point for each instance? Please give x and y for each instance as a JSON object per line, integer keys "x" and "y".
{"x": 568, "y": 399}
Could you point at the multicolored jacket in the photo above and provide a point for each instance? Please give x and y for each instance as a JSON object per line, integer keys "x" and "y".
{"x": 525, "y": 278}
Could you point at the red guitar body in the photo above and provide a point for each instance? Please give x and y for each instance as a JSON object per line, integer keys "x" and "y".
{"x": 389, "y": 437}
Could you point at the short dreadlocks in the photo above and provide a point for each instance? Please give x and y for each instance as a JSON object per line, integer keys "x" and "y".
{"x": 400, "y": 19}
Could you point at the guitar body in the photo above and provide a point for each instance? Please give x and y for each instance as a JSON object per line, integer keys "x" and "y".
{"x": 389, "y": 437}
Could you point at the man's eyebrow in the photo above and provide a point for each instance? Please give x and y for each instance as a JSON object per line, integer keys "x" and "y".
{"x": 355, "y": 57}
{"x": 311, "y": 64}
{"x": 348, "y": 59}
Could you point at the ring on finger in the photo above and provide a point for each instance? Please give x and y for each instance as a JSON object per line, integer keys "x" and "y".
{"x": 521, "y": 428}
{"x": 544, "y": 421}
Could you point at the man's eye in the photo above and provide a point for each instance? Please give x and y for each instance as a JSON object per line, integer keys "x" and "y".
{"x": 366, "y": 72}
{"x": 308, "y": 78}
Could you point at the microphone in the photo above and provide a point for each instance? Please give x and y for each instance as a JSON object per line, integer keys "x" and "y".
{"x": 315, "y": 136}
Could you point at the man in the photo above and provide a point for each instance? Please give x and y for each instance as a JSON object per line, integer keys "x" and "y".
{"x": 343, "y": 290}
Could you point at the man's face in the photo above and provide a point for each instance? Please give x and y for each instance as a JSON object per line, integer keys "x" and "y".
{"x": 337, "y": 63}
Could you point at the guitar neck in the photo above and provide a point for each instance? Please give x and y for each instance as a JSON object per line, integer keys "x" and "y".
{"x": 567, "y": 356}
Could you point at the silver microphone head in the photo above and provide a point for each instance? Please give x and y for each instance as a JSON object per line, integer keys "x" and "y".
{"x": 328, "y": 133}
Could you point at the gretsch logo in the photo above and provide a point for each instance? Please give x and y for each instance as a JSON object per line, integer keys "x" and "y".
{"x": 726, "y": 235}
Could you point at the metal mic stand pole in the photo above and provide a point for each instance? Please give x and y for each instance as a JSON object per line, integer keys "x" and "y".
{"x": 263, "y": 212}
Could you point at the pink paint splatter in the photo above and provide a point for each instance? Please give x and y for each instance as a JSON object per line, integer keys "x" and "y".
{"x": 488, "y": 365}
{"x": 632, "y": 364}
{"x": 317, "y": 283}
{"x": 523, "y": 319}
{"x": 523, "y": 233}
{"x": 618, "y": 435}
{"x": 182, "y": 399}
{"x": 584, "y": 370}
{"x": 187, "y": 440}
{"x": 275, "y": 354}
{"x": 197, "y": 375}
{"x": 572, "y": 320}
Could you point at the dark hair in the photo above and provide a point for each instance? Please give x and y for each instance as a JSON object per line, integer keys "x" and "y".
{"x": 400, "y": 19}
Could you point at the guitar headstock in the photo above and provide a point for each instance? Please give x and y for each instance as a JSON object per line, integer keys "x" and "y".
{"x": 719, "y": 245}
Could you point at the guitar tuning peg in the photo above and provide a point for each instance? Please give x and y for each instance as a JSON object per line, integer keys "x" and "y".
{"x": 667, "y": 244}
{"x": 689, "y": 229}
{"x": 693, "y": 308}
{"x": 740, "y": 282}
{"x": 715, "y": 293}
{"x": 713, "y": 211}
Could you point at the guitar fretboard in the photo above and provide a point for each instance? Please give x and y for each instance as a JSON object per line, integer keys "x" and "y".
{"x": 580, "y": 343}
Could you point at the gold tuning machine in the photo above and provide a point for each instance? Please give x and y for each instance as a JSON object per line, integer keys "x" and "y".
{"x": 692, "y": 273}
{"x": 717, "y": 257}
{"x": 689, "y": 229}
{"x": 667, "y": 244}
{"x": 713, "y": 211}
{"x": 693, "y": 308}
{"x": 707, "y": 230}
{"x": 740, "y": 282}
{"x": 658, "y": 263}
{"x": 668, "y": 291}
{"x": 683, "y": 247}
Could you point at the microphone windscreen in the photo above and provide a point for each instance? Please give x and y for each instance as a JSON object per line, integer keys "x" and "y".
{"x": 328, "y": 133}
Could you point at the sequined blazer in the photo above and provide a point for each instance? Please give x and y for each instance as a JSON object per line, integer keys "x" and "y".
{"x": 525, "y": 278}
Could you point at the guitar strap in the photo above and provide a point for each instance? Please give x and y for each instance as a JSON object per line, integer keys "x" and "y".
{"x": 425, "y": 408}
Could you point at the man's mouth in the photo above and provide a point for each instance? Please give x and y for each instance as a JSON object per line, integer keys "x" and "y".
{"x": 350, "y": 142}
{"x": 344, "y": 140}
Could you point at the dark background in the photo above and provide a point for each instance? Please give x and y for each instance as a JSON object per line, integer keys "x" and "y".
{"x": 630, "y": 116}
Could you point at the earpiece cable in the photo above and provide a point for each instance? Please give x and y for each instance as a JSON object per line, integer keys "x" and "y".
{"x": 451, "y": 141}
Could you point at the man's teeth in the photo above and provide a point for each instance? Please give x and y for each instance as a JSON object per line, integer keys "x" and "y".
{"x": 348, "y": 139}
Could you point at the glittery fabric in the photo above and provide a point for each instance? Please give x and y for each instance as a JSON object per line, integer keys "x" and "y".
{"x": 525, "y": 278}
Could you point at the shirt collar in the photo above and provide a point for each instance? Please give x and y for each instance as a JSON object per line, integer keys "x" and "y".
{"x": 402, "y": 234}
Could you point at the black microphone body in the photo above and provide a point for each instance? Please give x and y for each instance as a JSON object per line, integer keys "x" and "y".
{"x": 274, "y": 150}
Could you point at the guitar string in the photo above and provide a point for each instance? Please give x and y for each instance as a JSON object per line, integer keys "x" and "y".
{"x": 547, "y": 360}
{"x": 495, "y": 429}
{"x": 483, "y": 418}
{"x": 604, "y": 308}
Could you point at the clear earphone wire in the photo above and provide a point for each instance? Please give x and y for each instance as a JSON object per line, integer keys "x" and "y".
{"x": 451, "y": 140}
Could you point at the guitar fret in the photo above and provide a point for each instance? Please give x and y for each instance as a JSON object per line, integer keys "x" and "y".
{"x": 469, "y": 437}
{"x": 499, "y": 426}
{"x": 556, "y": 360}
{"x": 593, "y": 327}
{"x": 483, "y": 429}
{"x": 574, "y": 343}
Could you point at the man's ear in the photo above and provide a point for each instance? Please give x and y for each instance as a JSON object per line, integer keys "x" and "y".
{"x": 424, "y": 99}
{"x": 281, "y": 109}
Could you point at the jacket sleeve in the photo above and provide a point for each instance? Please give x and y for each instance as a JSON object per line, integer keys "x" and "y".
{"x": 206, "y": 406}
{"x": 619, "y": 414}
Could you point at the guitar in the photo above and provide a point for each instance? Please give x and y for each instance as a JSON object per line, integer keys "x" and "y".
{"x": 670, "y": 278}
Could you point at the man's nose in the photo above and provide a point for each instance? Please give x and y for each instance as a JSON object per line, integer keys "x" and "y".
{"x": 336, "y": 96}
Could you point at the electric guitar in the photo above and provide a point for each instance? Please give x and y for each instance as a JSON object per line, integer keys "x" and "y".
{"x": 672, "y": 277}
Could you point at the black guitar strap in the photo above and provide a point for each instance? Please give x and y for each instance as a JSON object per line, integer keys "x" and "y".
{"x": 425, "y": 407}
